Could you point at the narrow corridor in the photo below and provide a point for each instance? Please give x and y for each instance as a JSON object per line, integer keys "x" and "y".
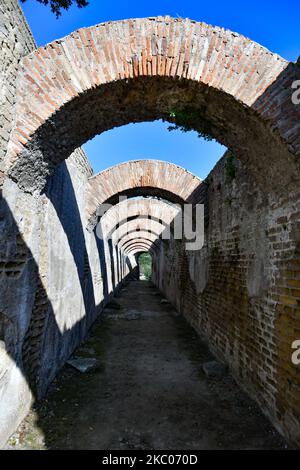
{"x": 150, "y": 393}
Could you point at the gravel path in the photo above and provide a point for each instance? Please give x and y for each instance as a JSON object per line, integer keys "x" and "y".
{"x": 150, "y": 391}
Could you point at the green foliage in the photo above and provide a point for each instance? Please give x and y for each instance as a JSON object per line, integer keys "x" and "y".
{"x": 58, "y": 5}
{"x": 230, "y": 168}
{"x": 145, "y": 264}
{"x": 191, "y": 119}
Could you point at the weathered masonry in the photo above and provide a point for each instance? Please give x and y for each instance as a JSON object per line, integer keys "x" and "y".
{"x": 241, "y": 291}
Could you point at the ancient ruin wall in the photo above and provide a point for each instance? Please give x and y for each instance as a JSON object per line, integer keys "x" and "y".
{"x": 16, "y": 41}
{"x": 55, "y": 279}
{"x": 52, "y": 276}
{"x": 241, "y": 291}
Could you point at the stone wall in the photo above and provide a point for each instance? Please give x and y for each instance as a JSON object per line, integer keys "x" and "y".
{"x": 51, "y": 275}
{"x": 55, "y": 279}
{"x": 241, "y": 291}
{"x": 51, "y": 279}
{"x": 15, "y": 41}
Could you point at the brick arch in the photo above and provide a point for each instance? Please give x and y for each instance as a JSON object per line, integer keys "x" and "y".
{"x": 140, "y": 249}
{"x": 142, "y": 241}
{"x": 138, "y": 243}
{"x": 119, "y": 237}
{"x": 141, "y": 178}
{"x": 143, "y": 235}
{"x": 125, "y": 222}
{"x": 138, "y": 70}
{"x": 137, "y": 210}
{"x": 145, "y": 245}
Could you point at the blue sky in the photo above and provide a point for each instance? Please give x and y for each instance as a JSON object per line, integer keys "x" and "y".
{"x": 274, "y": 24}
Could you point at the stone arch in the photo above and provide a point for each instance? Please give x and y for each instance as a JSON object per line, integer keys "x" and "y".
{"x": 137, "y": 236}
{"x": 145, "y": 246}
{"x": 141, "y": 178}
{"x": 136, "y": 218}
{"x": 139, "y": 210}
{"x": 136, "y": 226}
{"x": 139, "y": 231}
{"x": 137, "y": 70}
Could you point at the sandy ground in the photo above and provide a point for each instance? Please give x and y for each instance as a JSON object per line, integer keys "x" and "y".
{"x": 151, "y": 392}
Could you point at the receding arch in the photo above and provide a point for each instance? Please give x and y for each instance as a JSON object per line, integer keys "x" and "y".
{"x": 136, "y": 219}
{"x": 140, "y": 243}
{"x": 140, "y": 247}
{"x": 137, "y": 225}
{"x": 98, "y": 78}
{"x": 139, "y": 210}
{"x": 137, "y": 236}
{"x": 131, "y": 232}
{"x": 141, "y": 178}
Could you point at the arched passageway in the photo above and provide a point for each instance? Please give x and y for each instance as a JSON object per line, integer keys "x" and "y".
{"x": 61, "y": 266}
{"x": 152, "y": 392}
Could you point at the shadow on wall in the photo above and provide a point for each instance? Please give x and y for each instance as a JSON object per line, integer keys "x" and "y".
{"x": 32, "y": 350}
{"x": 39, "y": 348}
{"x": 176, "y": 272}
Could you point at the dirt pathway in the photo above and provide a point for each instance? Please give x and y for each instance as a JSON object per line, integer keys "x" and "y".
{"x": 151, "y": 394}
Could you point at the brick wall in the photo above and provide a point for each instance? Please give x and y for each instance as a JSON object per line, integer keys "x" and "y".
{"x": 55, "y": 278}
{"x": 241, "y": 291}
